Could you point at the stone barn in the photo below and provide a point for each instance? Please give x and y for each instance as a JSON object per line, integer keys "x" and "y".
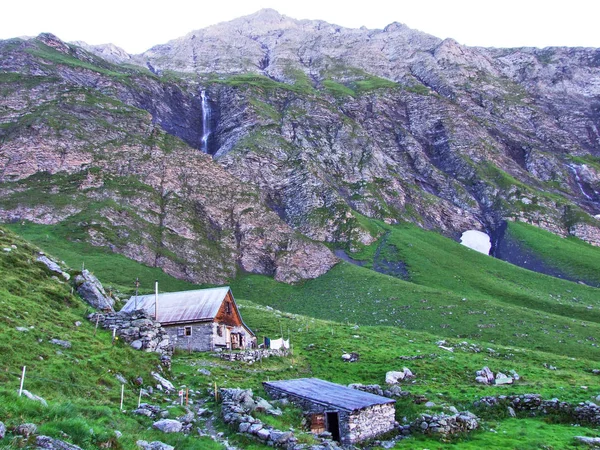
{"x": 199, "y": 320}
{"x": 351, "y": 416}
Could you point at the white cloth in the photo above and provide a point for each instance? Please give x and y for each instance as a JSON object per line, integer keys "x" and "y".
{"x": 276, "y": 344}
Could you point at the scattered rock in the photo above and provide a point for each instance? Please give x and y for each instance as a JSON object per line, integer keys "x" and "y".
{"x": 2, "y": 430}
{"x": 53, "y": 266}
{"x": 394, "y": 377}
{"x": 205, "y": 372}
{"x": 503, "y": 379}
{"x": 49, "y": 443}
{"x": 26, "y": 429}
{"x": 22, "y": 329}
{"x": 166, "y": 384}
{"x": 511, "y": 411}
{"x": 155, "y": 445}
{"x": 34, "y": 397}
{"x": 350, "y": 357}
{"x": 121, "y": 378}
{"x": 64, "y": 344}
{"x": 168, "y": 426}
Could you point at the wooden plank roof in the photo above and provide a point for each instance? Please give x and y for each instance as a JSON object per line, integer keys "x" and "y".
{"x": 181, "y": 307}
{"x": 327, "y": 393}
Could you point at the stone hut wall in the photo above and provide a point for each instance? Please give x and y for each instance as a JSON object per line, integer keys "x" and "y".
{"x": 371, "y": 422}
{"x": 355, "y": 426}
{"x": 200, "y": 340}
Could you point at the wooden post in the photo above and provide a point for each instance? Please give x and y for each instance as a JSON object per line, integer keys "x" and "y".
{"x": 114, "y": 335}
{"x": 187, "y": 396}
{"x": 22, "y": 381}
{"x": 216, "y": 393}
{"x": 156, "y": 300}
{"x": 140, "y": 398}
{"x": 122, "y": 393}
{"x": 97, "y": 319}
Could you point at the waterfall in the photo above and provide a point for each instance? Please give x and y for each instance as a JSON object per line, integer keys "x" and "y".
{"x": 205, "y": 121}
{"x": 579, "y": 183}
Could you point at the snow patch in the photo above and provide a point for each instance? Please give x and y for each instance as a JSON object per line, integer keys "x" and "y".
{"x": 476, "y": 240}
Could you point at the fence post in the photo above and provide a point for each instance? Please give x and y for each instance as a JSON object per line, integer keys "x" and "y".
{"x": 22, "y": 381}
{"x": 122, "y": 392}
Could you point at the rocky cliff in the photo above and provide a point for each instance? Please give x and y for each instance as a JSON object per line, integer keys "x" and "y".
{"x": 313, "y": 130}
{"x": 79, "y": 150}
{"x": 398, "y": 125}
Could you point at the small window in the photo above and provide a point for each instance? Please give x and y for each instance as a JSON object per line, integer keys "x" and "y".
{"x": 228, "y": 308}
{"x": 219, "y": 330}
{"x": 180, "y": 331}
{"x": 188, "y": 331}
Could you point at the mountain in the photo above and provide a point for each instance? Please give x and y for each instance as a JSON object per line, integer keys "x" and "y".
{"x": 78, "y": 149}
{"x": 314, "y": 131}
{"x": 399, "y": 125}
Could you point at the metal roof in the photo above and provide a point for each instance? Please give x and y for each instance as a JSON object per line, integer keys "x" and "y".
{"x": 327, "y": 393}
{"x": 185, "y": 306}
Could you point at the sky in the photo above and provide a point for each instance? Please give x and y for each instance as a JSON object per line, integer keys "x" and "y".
{"x": 137, "y": 25}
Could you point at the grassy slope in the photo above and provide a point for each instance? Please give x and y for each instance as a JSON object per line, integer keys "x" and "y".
{"x": 573, "y": 256}
{"x": 455, "y": 292}
{"x": 443, "y": 377}
{"x": 79, "y": 382}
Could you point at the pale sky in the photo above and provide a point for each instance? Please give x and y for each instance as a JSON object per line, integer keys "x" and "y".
{"x": 137, "y": 25}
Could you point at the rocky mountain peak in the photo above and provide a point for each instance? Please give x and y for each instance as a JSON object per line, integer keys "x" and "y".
{"x": 53, "y": 41}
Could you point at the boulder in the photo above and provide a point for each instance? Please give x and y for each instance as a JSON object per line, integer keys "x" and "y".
{"x": 166, "y": 384}
{"x": 503, "y": 379}
{"x": 2, "y": 430}
{"x": 485, "y": 376}
{"x": 394, "y": 377}
{"x": 350, "y": 357}
{"x": 49, "y": 443}
{"x": 92, "y": 291}
{"x": 168, "y": 426}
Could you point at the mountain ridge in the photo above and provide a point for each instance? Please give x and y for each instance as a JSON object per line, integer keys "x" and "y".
{"x": 457, "y": 138}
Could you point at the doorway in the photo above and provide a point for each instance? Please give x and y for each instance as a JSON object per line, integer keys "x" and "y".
{"x": 333, "y": 425}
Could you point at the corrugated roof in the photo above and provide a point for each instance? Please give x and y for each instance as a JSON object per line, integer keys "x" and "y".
{"x": 185, "y": 306}
{"x": 327, "y": 393}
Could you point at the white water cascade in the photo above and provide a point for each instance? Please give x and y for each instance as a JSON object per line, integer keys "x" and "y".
{"x": 579, "y": 182}
{"x": 205, "y": 122}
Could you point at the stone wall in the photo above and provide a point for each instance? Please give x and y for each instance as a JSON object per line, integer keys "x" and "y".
{"x": 200, "y": 340}
{"x": 252, "y": 356}
{"x": 371, "y": 422}
{"x": 534, "y": 404}
{"x": 137, "y": 329}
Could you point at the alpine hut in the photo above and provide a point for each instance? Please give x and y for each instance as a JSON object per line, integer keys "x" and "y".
{"x": 350, "y": 415}
{"x": 199, "y": 320}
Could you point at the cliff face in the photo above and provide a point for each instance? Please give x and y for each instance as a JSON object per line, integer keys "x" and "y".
{"x": 77, "y": 149}
{"x": 311, "y": 127}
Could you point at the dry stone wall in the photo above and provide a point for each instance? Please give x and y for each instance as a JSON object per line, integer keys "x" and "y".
{"x": 534, "y": 404}
{"x": 137, "y": 329}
